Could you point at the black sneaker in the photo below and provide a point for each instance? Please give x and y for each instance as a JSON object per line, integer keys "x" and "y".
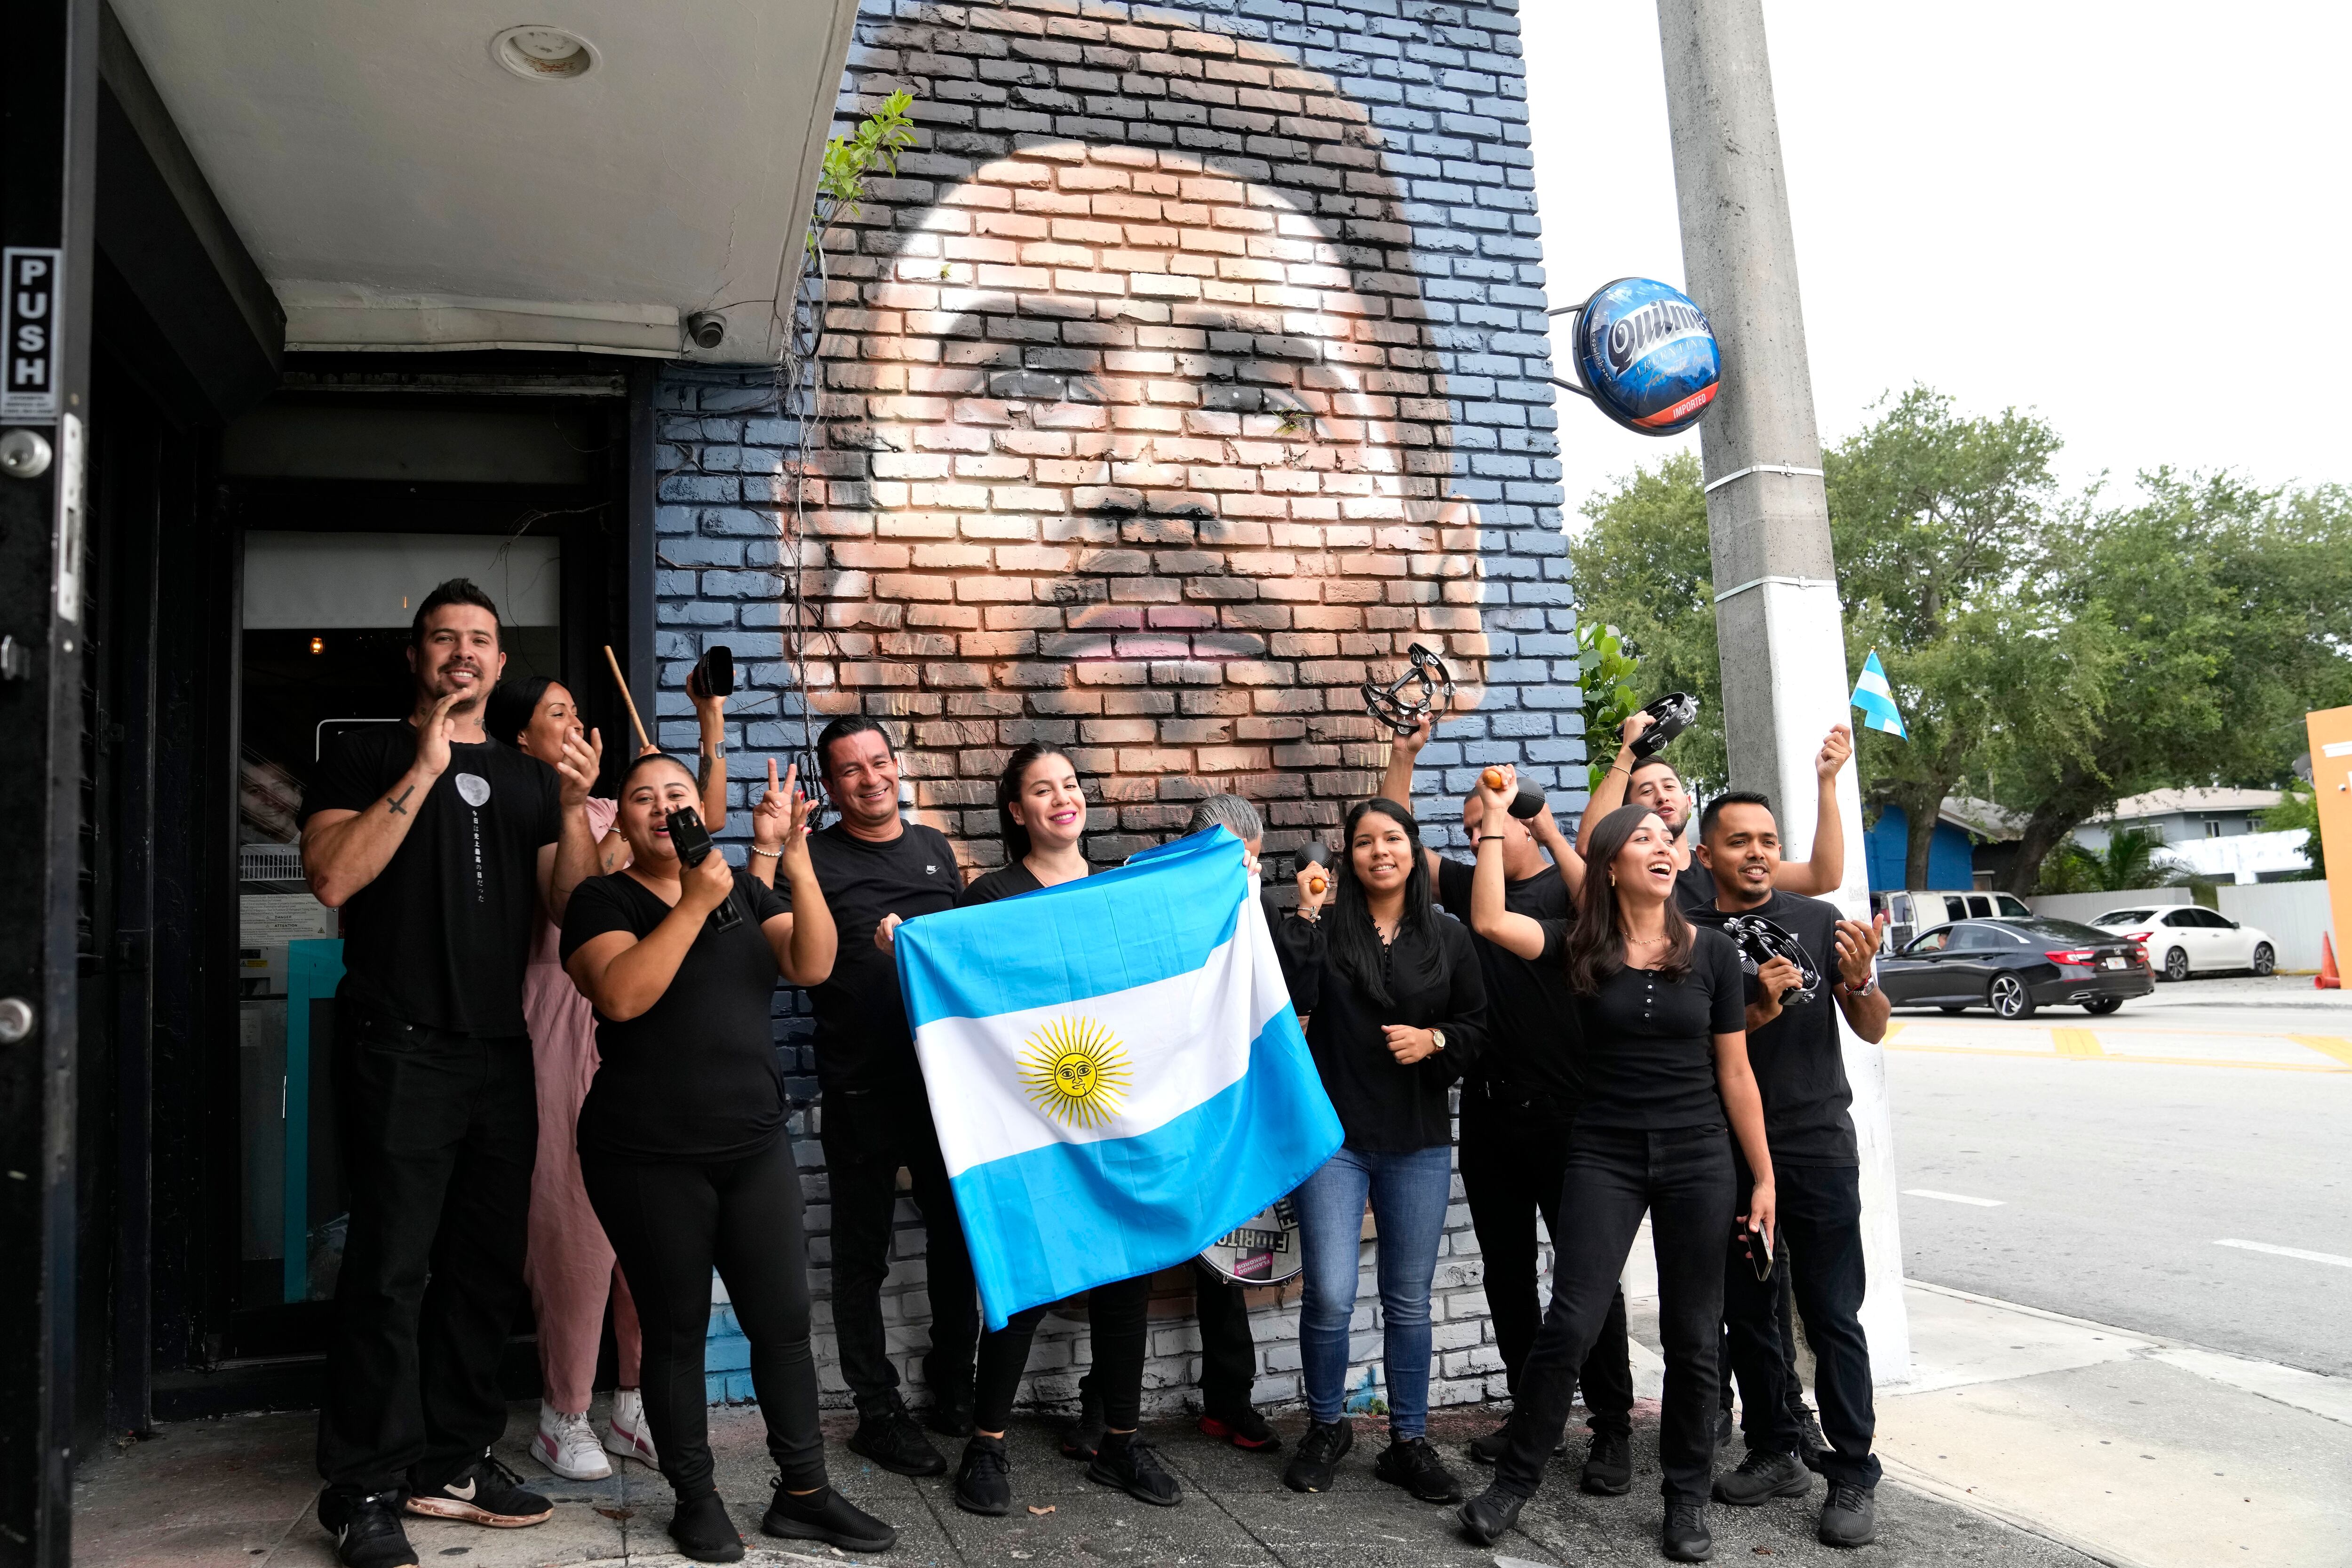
{"x": 983, "y": 1482}
{"x": 890, "y": 1438}
{"x": 1413, "y": 1464}
{"x": 951, "y": 1401}
{"x": 1810, "y": 1441}
{"x": 1609, "y": 1466}
{"x": 1486, "y": 1517}
{"x": 1086, "y": 1436}
{"x": 1685, "y": 1536}
{"x": 825, "y": 1515}
{"x": 1243, "y": 1427}
{"x": 1490, "y": 1447}
{"x": 367, "y": 1529}
{"x": 484, "y": 1492}
{"x": 1762, "y": 1476}
{"x": 1320, "y": 1453}
{"x": 1133, "y": 1466}
{"x": 704, "y": 1532}
{"x": 1850, "y": 1518}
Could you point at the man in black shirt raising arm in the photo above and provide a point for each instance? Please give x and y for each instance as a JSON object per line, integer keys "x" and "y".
{"x": 1800, "y": 1070}
{"x": 876, "y": 870}
{"x": 440, "y": 847}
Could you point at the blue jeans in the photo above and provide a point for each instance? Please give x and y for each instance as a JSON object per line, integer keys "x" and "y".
{"x": 1410, "y": 1193}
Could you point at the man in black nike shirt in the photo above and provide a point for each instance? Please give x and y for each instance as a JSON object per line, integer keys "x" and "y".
{"x": 441, "y": 848}
{"x": 877, "y": 871}
{"x": 1800, "y": 1071}
{"x": 1517, "y": 1106}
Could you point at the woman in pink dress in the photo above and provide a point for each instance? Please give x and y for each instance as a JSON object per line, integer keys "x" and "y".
{"x": 569, "y": 1265}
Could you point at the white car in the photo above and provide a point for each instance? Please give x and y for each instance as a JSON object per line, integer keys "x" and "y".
{"x": 2182, "y": 940}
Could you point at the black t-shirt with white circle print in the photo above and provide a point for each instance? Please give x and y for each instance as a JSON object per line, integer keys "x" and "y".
{"x": 441, "y": 937}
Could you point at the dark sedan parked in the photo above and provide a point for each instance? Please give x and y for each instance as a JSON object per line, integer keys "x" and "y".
{"x": 2013, "y": 966}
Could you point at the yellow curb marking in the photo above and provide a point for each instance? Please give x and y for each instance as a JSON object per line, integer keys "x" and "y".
{"x": 2110, "y": 1057}
{"x": 2326, "y": 1046}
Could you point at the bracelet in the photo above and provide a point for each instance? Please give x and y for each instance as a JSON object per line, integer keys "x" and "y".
{"x": 770, "y": 854}
{"x": 1490, "y": 838}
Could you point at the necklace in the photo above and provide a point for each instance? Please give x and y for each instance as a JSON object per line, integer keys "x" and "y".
{"x": 1645, "y": 941}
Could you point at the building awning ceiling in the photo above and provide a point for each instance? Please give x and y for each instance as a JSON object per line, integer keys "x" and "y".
{"x": 402, "y": 188}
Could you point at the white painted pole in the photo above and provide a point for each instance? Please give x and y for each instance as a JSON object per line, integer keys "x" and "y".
{"x": 1778, "y": 621}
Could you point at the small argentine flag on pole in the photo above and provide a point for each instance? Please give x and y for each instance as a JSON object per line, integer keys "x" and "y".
{"x": 1877, "y": 699}
{"x": 1115, "y": 1069}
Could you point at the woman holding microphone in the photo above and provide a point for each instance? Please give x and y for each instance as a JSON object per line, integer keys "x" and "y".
{"x": 683, "y": 1143}
{"x": 1664, "y": 1009}
{"x": 1396, "y": 1008}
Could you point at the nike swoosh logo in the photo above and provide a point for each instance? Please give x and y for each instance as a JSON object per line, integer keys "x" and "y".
{"x": 464, "y": 1493}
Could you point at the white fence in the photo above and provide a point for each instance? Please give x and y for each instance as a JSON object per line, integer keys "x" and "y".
{"x": 2294, "y": 915}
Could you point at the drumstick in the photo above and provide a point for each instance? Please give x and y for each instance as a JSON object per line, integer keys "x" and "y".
{"x": 644, "y": 741}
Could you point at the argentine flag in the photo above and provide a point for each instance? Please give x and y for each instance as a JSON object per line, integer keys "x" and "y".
{"x": 1876, "y": 697}
{"x": 1116, "y": 1072}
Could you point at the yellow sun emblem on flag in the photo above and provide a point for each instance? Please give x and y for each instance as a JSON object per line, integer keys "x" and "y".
{"x": 1076, "y": 1070}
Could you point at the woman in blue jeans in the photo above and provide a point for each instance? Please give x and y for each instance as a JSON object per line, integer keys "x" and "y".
{"x": 1664, "y": 1006}
{"x": 1395, "y": 1008}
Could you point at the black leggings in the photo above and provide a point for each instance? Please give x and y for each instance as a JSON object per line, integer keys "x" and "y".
{"x": 670, "y": 1224}
{"x": 1116, "y": 1318}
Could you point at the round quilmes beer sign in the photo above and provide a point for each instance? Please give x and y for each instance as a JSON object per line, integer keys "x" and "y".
{"x": 1647, "y": 356}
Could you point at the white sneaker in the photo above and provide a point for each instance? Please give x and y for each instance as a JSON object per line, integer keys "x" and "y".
{"x": 627, "y": 1433}
{"x": 566, "y": 1443}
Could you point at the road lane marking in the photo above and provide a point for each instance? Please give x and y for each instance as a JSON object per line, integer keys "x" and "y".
{"x": 2078, "y": 1043}
{"x": 1987, "y": 1203}
{"x": 2288, "y": 1252}
{"x": 2326, "y": 1046}
{"x": 2112, "y": 1057}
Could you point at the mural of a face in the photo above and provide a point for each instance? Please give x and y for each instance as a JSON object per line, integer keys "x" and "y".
{"x": 1155, "y": 465}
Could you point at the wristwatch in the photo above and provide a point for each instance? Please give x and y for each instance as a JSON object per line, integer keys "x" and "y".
{"x": 1864, "y": 989}
{"x": 1437, "y": 1038}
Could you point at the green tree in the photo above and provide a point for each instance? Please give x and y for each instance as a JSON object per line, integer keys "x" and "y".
{"x": 1642, "y": 568}
{"x": 1938, "y": 522}
{"x": 2218, "y": 611}
{"x": 2133, "y": 857}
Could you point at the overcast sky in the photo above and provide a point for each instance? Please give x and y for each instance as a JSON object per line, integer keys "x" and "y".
{"x": 2130, "y": 217}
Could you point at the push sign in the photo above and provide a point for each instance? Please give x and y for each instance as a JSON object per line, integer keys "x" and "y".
{"x": 28, "y": 344}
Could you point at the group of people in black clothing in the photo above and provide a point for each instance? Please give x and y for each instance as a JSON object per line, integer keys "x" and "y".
{"x": 1610, "y": 1056}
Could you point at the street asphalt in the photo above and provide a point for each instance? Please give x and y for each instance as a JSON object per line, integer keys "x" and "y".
{"x": 2179, "y": 1168}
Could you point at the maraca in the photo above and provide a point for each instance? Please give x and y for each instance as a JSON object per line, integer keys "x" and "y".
{"x": 1316, "y": 854}
{"x": 1527, "y": 804}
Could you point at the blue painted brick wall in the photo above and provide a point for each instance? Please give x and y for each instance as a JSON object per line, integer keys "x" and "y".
{"x": 990, "y": 493}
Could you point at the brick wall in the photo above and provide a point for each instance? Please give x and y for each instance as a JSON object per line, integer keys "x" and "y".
{"x": 1189, "y": 371}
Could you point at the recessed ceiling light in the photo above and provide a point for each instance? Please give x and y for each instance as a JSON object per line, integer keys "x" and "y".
{"x": 543, "y": 54}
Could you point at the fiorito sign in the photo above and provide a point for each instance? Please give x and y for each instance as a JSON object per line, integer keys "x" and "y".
{"x": 28, "y": 335}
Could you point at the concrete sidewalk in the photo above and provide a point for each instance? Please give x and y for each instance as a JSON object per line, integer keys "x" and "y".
{"x": 2024, "y": 1439}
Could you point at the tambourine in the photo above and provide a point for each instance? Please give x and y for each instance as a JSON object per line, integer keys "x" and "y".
{"x": 1433, "y": 687}
{"x": 1761, "y": 941}
{"x": 1264, "y": 1250}
{"x": 1526, "y": 804}
{"x": 1673, "y": 714}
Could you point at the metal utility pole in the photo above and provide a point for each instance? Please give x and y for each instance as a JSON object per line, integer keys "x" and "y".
{"x": 1778, "y": 624}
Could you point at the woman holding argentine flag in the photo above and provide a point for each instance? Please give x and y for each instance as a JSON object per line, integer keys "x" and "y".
{"x": 1396, "y": 1007}
{"x": 1040, "y": 810}
{"x": 1663, "y": 1006}
{"x": 682, "y": 1138}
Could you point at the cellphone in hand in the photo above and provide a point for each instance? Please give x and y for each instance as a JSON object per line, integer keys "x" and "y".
{"x": 1756, "y": 1248}
{"x": 692, "y": 842}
